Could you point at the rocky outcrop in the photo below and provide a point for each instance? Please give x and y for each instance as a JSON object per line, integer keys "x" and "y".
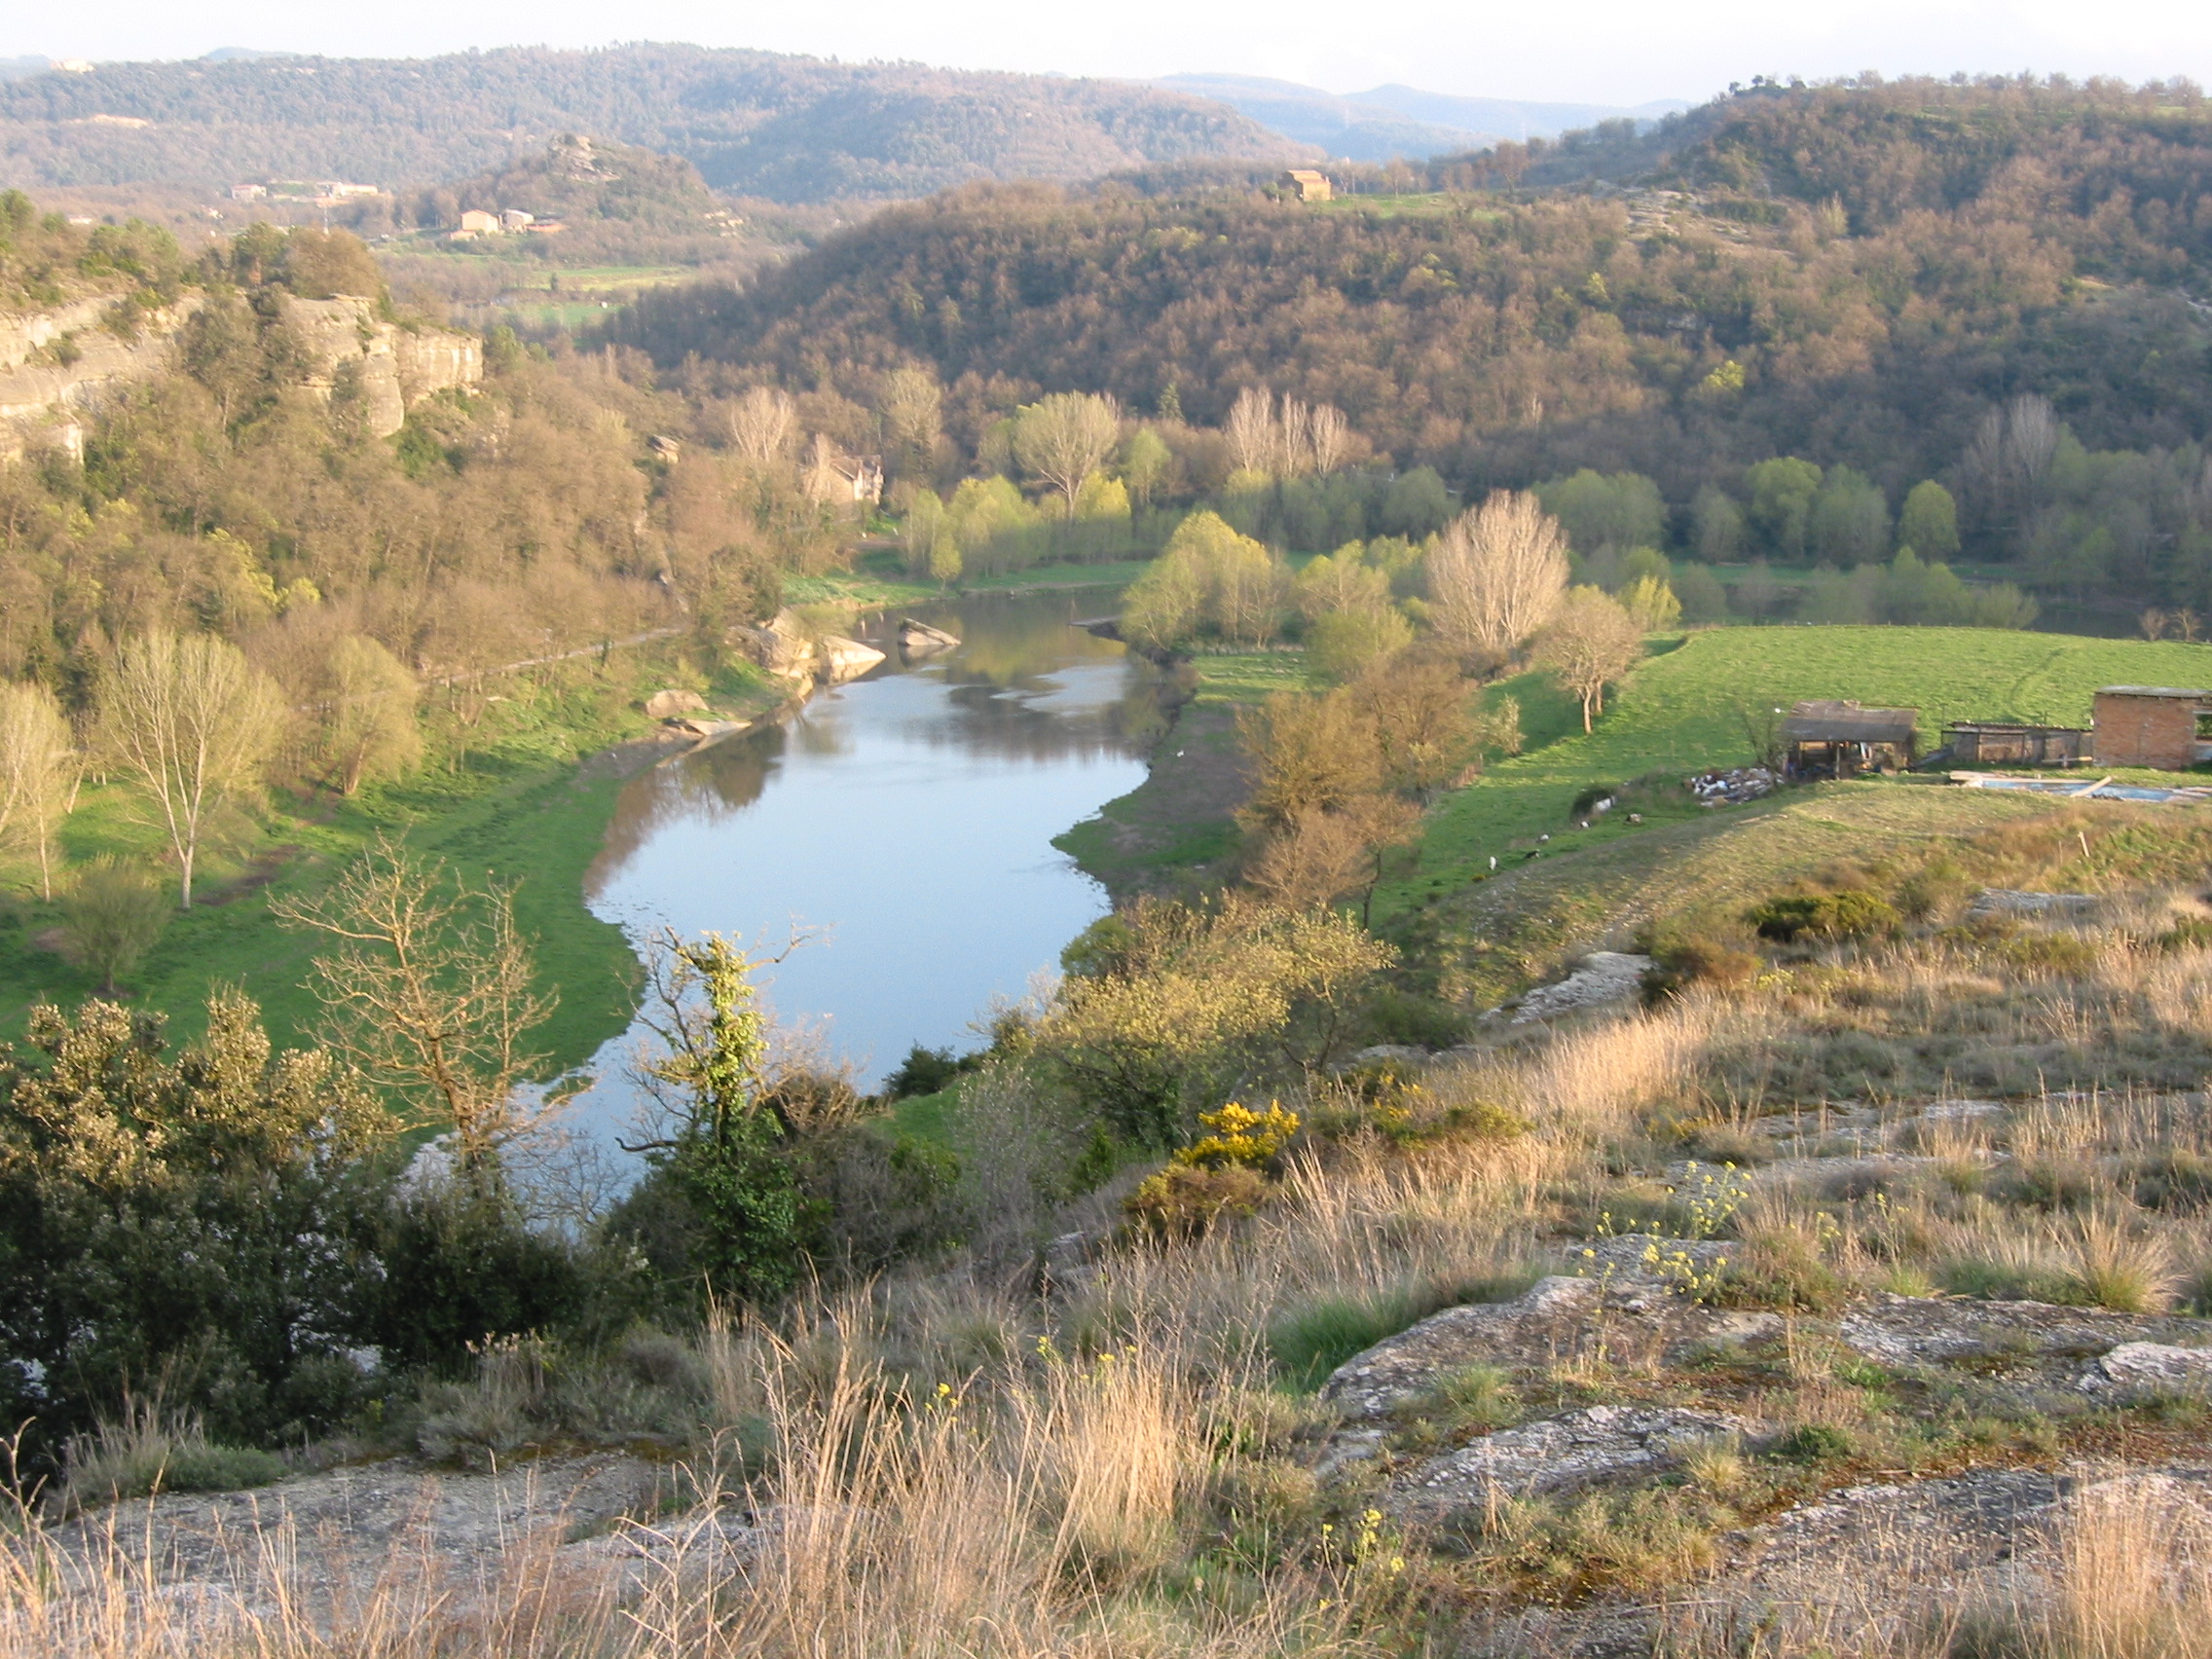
{"x": 1581, "y": 1449}
{"x": 785, "y": 646}
{"x": 58, "y": 366}
{"x": 397, "y": 365}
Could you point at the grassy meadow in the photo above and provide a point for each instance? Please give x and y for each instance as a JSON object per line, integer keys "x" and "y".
{"x": 1682, "y": 711}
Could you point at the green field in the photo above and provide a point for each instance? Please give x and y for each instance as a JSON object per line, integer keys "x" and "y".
{"x": 1681, "y": 711}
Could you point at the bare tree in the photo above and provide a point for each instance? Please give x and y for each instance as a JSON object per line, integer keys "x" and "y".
{"x": 1497, "y": 574}
{"x": 760, "y": 424}
{"x": 1063, "y": 439}
{"x": 1591, "y": 643}
{"x": 430, "y": 991}
{"x": 39, "y": 771}
{"x": 1328, "y": 437}
{"x": 191, "y": 722}
{"x": 913, "y": 412}
{"x": 1252, "y": 431}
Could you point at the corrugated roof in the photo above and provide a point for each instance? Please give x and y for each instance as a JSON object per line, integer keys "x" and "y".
{"x": 1823, "y": 719}
{"x": 2153, "y": 691}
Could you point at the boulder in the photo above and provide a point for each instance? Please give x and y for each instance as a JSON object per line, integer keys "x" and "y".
{"x": 663, "y": 705}
{"x": 919, "y": 639}
{"x": 840, "y": 659}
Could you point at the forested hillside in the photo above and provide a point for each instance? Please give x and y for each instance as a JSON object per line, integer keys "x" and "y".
{"x": 753, "y": 122}
{"x": 1853, "y": 275}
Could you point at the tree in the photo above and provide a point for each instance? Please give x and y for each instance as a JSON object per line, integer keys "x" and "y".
{"x": 1651, "y": 601}
{"x": 1063, "y": 439}
{"x": 1146, "y": 461}
{"x": 39, "y": 771}
{"x": 430, "y": 991}
{"x": 1597, "y": 511}
{"x": 914, "y": 415}
{"x": 1309, "y": 755}
{"x": 1929, "y": 525}
{"x": 1497, "y": 574}
{"x": 760, "y": 426}
{"x": 1850, "y": 522}
{"x": 1416, "y": 715}
{"x": 368, "y": 716}
{"x": 191, "y": 722}
{"x": 1782, "y": 504}
{"x": 723, "y": 1139}
{"x": 1717, "y": 525}
{"x": 1588, "y": 644}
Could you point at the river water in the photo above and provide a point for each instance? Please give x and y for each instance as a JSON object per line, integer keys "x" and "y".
{"x": 905, "y": 819}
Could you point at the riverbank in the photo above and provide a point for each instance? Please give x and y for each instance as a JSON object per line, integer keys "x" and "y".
{"x": 1176, "y": 832}
{"x": 517, "y": 803}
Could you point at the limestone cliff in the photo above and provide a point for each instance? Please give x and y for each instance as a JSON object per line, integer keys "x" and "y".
{"x": 399, "y": 365}
{"x": 56, "y": 366}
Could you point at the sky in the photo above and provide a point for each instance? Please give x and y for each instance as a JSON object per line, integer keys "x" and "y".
{"x": 1622, "y": 51}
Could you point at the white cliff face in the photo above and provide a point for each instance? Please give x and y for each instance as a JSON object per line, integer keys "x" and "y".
{"x": 58, "y": 366}
{"x": 399, "y": 366}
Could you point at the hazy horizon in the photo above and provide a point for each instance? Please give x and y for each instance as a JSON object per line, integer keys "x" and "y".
{"x": 1614, "y": 53}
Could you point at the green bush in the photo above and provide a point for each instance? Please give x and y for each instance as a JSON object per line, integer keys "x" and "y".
{"x": 1815, "y": 1443}
{"x": 1853, "y": 913}
{"x": 1182, "y": 1202}
{"x": 112, "y": 916}
{"x": 458, "y": 1267}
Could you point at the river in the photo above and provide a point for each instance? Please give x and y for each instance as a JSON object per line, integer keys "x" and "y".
{"x": 903, "y": 821}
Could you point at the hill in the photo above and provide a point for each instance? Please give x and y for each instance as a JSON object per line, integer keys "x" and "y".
{"x": 1394, "y": 121}
{"x": 1873, "y": 300}
{"x": 753, "y": 123}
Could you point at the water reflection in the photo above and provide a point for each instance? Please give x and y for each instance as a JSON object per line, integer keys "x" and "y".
{"x": 910, "y": 814}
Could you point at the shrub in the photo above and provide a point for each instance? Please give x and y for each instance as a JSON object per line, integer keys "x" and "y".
{"x": 1815, "y": 1443}
{"x": 1679, "y": 961}
{"x": 1183, "y": 1201}
{"x": 1240, "y": 1136}
{"x": 458, "y": 1267}
{"x": 112, "y": 916}
{"x": 1853, "y": 913}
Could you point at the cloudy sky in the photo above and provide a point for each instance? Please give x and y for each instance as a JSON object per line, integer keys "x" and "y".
{"x": 1600, "y": 51}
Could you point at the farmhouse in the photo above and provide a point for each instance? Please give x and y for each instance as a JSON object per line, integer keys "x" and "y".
{"x": 2005, "y": 743}
{"x": 1829, "y": 738}
{"x": 2152, "y": 726}
{"x": 1307, "y": 185}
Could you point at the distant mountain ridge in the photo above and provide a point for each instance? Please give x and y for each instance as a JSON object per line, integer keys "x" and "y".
{"x": 1391, "y": 121}
{"x": 753, "y": 123}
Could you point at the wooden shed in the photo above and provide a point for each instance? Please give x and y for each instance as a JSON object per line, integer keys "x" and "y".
{"x": 1835, "y": 739}
{"x": 2152, "y": 726}
{"x": 2002, "y": 743}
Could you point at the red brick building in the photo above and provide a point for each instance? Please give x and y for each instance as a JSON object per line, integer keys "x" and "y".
{"x": 2150, "y": 725}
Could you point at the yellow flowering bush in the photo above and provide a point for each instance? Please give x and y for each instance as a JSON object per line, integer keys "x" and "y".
{"x": 1240, "y": 1137}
